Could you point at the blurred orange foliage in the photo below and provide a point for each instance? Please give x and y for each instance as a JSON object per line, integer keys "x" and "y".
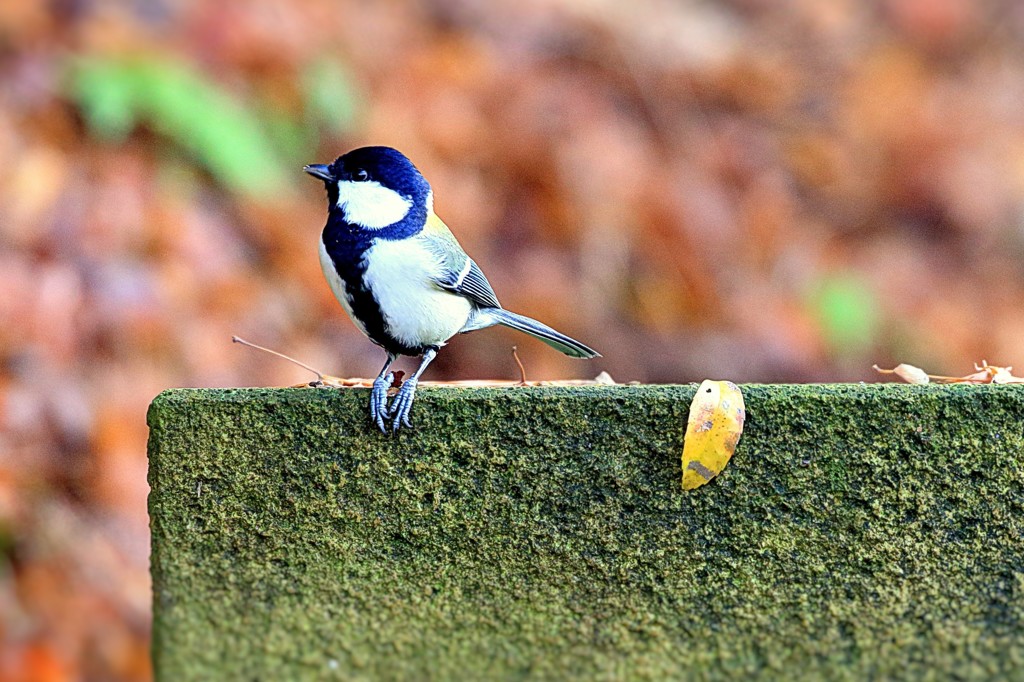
{"x": 757, "y": 190}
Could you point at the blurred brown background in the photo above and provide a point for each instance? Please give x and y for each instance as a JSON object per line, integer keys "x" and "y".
{"x": 747, "y": 189}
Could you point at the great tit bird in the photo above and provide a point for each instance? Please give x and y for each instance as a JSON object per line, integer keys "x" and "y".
{"x": 400, "y": 273}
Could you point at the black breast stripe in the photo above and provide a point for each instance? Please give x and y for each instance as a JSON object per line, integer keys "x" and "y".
{"x": 347, "y": 249}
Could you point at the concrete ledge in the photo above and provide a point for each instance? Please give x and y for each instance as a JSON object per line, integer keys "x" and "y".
{"x": 860, "y": 532}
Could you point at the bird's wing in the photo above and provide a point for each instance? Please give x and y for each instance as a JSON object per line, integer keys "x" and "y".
{"x": 458, "y": 272}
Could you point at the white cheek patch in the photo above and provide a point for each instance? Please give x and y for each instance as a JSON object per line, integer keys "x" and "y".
{"x": 371, "y": 205}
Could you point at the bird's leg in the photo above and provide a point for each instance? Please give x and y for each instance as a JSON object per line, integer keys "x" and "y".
{"x": 402, "y": 404}
{"x": 379, "y": 396}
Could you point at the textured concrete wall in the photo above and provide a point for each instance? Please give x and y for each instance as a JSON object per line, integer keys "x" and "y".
{"x": 860, "y": 532}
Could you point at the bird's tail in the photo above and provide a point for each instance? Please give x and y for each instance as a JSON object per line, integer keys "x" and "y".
{"x": 556, "y": 340}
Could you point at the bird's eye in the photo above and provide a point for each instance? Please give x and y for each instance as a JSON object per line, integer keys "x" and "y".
{"x": 360, "y": 175}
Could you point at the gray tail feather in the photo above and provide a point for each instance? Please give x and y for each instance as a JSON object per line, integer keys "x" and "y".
{"x": 556, "y": 340}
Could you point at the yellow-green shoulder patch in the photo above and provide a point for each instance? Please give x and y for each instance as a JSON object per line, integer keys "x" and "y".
{"x": 435, "y": 225}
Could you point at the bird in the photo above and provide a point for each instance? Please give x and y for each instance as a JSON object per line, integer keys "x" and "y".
{"x": 400, "y": 273}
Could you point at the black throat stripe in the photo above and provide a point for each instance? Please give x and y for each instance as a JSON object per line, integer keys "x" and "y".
{"x": 347, "y": 247}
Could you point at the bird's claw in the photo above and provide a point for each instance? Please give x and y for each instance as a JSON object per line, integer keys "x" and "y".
{"x": 401, "y": 406}
{"x": 379, "y": 400}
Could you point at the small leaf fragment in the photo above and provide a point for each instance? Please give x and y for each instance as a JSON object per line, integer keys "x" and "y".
{"x": 713, "y": 429}
{"x": 990, "y": 374}
{"x": 983, "y": 374}
{"x": 909, "y": 373}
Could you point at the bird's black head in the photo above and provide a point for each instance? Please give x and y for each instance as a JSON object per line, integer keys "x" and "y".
{"x": 374, "y": 187}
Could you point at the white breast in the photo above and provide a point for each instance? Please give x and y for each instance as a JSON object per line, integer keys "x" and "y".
{"x": 400, "y": 274}
{"x": 337, "y": 286}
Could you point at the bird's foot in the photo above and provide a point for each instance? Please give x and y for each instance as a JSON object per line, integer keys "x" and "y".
{"x": 379, "y": 400}
{"x": 401, "y": 406}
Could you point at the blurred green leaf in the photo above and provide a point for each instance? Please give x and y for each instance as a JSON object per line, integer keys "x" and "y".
{"x": 330, "y": 96}
{"x": 193, "y": 111}
{"x": 107, "y": 98}
{"x": 847, "y": 310}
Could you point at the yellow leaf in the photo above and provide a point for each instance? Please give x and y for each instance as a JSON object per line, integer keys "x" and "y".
{"x": 712, "y": 431}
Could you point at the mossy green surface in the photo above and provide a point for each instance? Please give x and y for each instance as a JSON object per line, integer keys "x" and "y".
{"x": 859, "y": 532}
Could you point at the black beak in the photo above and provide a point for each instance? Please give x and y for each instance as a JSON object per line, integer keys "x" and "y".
{"x": 319, "y": 170}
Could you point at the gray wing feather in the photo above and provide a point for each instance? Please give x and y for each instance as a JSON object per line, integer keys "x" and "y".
{"x": 459, "y": 273}
{"x": 475, "y": 287}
